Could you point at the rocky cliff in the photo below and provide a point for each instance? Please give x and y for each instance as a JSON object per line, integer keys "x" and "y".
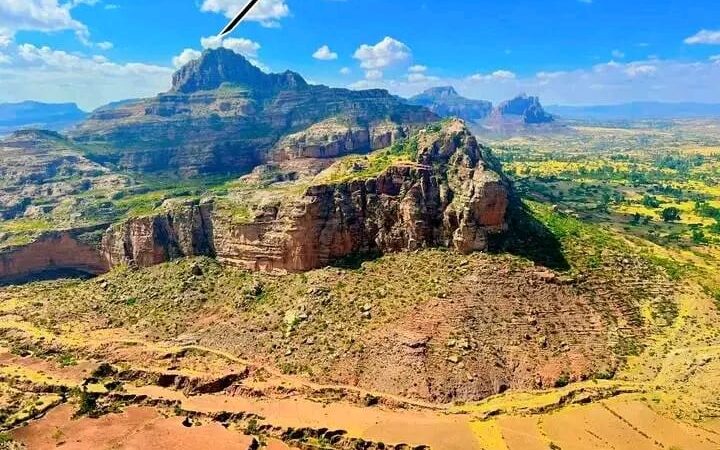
{"x": 60, "y": 252}
{"x": 526, "y": 107}
{"x": 223, "y": 115}
{"x": 449, "y": 191}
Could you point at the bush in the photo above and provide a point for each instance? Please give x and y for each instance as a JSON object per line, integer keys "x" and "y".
{"x": 671, "y": 214}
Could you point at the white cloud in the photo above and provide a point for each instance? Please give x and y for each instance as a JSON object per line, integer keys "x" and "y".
{"x": 44, "y": 16}
{"x": 325, "y": 54}
{"x": 385, "y": 53}
{"x": 715, "y": 58}
{"x": 711, "y": 37}
{"x": 345, "y": 71}
{"x": 4, "y": 59}
{"x": 417, "y": 69}
{"x": 374, "y": 74}
{"x": 639, "y": 70}
{"x": 267, "y": 12}
{"x": 420, "y": 78}
{"x": 185, "y": 57}
{"x": 105, "y": 45}
{"x": 5, "y": 38}
{"x": 617, "y": 54}
{"x": 241, "y": 46}
{"x": 608, "y": 83}
{"x": 46, "y": 74}
{"x": 498, "y": 75}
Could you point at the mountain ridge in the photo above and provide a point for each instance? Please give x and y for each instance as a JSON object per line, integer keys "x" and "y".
{"x": 35, "y": 114}
{"x": 224, "y": 115}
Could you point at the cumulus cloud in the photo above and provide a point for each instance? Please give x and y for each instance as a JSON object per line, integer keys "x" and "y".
{"x": 241, "y": 46}
{"x": 267, "y": 12}
{"x": 382, "y": 55}
{"x": 42, "y": 15}
{"x": 345, "y": 71}
{"x": 325, "y": 54}
{"x": 185, "y": 57}
{"x": 47, "y": 74}
{"x": 612, "y": 82}
{"x": 498, "y": 75}
{"x": 417, "y": 69}
{"x": 709, "y": 37}
{"x": 374, "y": 74}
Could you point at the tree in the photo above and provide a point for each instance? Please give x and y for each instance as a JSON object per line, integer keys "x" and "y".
{"x": 651, "y": 202}
{"x": 671, "y": 214}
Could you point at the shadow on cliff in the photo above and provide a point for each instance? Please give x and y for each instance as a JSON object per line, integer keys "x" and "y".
{"x": 531, "y": 239}
{"x": 354, "y": 261}
{"x": 51, "y": 274}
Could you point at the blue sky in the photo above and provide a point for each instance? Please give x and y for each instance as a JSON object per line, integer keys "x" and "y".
{"x": 566, "y": 51}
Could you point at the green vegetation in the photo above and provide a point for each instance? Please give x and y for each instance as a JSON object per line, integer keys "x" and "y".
{"x": 363, "y": 167}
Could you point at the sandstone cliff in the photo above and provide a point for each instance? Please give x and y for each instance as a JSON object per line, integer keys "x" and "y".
{"x": 62, "y": 252}
{"x": 448, "y": 192}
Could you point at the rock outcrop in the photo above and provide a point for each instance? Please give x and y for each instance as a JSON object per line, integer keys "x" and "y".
{"x": 223, "y": 115}
{"x": 526, "y": 107}
{"x": 450, "y": 193}
{"x": 61, "y": 252}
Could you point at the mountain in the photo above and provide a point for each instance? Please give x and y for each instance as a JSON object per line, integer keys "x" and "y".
{"x": 526, "y": 107}
{"x": 49, "y": 116}
{"x": 446, "y": 102}
{"x": 224, "y": 115}
{"x": 508, "y": 116}
{"x": 438, "y": 188}
{"x": 638, "y": 111}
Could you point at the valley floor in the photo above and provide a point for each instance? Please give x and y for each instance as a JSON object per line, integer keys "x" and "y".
{"x": 587, "y": 333}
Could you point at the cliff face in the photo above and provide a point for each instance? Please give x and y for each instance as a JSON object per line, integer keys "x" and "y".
{"x": 223, "y": 115}
{"x": 62, "y": 252}
{"x": 146, "y": 241}
{"x": 526, "y": 107}
{"x": 450, "y": 194}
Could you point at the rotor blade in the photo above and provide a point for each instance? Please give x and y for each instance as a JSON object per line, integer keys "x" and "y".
{"x": 241, "y": 15}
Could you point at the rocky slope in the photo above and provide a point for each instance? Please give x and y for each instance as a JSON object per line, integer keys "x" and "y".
{"x": 224, "y": 115}
{"x": 449, "y": 192}
{"x": 41, "y": 169}
{"x": 446, "y": 102}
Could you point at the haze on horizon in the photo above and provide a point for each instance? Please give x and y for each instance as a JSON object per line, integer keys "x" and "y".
{"x": 572, "y": 52}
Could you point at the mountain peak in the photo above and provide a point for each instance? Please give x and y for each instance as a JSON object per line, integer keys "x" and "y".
{"x": 446, "y": 102}
{"x": 218, "y": 66}
{"x": 441, "y": 92}
{"x": 528, "y": 107}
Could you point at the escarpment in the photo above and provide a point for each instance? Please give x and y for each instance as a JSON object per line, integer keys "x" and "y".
{"x": 438, "y": 188}
{"x": 53, "y": 254}
{"x": 447, "y": 190}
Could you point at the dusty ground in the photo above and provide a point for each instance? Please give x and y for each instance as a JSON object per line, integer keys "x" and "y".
{"x": 417, "y": 350}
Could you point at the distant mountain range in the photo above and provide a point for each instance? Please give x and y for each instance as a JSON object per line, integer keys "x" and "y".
{"x": 445, "y": 101}
{"x": 48, "y": 116}
{"x": 507, "y": 117}
{"x": 638, "y": 111}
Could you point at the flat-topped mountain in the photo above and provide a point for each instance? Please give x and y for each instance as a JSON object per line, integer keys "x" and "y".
{"x": 224, "y": 115}
{"x": 49, "y": 116}
{"x": 446, "y": 102}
